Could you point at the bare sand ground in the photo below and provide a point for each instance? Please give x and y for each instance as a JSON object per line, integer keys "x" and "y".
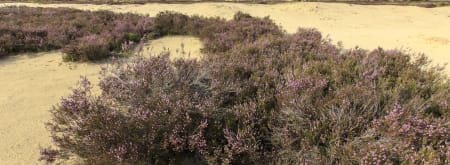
{"x": 415, "y": 29}
{"x": 31, "y": 84}
{"x": 178, "y": 46}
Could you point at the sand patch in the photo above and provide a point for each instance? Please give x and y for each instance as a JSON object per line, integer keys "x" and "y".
{"x": 177, "y": 46}
{"x": 29, "y": 86}
{"x": 366, "y": 26}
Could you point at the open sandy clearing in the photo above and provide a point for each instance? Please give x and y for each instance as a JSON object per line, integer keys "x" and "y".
{"x": 421, "y": 30}
{"x": 31, "y": 83}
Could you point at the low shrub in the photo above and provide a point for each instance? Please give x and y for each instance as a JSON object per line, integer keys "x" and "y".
{"x": 241, "y": 29}
{"x": 170, "y": 23}
{"x": 266, "y": 97}
{"x": 428, "y": 5}
{"x": 79, "y": 33}
{"x": 88, "y": 48}
{"x": 372, "y": 2}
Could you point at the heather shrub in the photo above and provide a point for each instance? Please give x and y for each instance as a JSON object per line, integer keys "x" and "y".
{"x": 373, "y": 2}
{"x": 408, "y": 137}
{"x": 89, "y": 48}
{"x": 170, "y": 23}
{"x": 217, "y": 34}
{"x": 27, "y": 39}
{"x": 241, "y": 29}
{"x": 259, "y": 96}
{"x": 83, "y": 35}
{"x": 178, "y": 131}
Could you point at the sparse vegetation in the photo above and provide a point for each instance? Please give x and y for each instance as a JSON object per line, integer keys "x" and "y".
{"x": 259, "y": 96}
{"x": 422, "y": 3}
{"x": 83, "y": 35}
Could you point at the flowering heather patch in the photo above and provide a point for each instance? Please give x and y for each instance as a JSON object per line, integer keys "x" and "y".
{"x": 265, "y": 97}
{"x": 83, "y": 35}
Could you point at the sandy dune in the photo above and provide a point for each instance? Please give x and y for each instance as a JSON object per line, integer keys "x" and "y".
{"x": 420, "y": 30}
{"x": 31, "y": 84}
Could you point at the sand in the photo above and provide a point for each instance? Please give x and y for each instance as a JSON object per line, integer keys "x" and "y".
{"x": 31, "y": 84}
{"x": 178, "y": 47}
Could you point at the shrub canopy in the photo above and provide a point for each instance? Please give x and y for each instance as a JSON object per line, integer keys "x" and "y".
{"x": 82, "y": 35}
{"x": 259, "y": 96}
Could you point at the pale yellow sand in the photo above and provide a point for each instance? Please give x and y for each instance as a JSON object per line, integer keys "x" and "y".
{"x": 29, "y": 86}
{"x": 31, "y": 83}
{"x": 422, "y": 30}
{"x": 178, "y": 46}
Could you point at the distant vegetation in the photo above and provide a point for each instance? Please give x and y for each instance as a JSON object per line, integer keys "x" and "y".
{"x": 422, "y": 3}
{"x": 259, "y": 96}
{"x": 82, "y": 35}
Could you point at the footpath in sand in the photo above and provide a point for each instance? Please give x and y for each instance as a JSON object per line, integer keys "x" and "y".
{"x": 31, "y": 84}
{"x": 411, "y": 28}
